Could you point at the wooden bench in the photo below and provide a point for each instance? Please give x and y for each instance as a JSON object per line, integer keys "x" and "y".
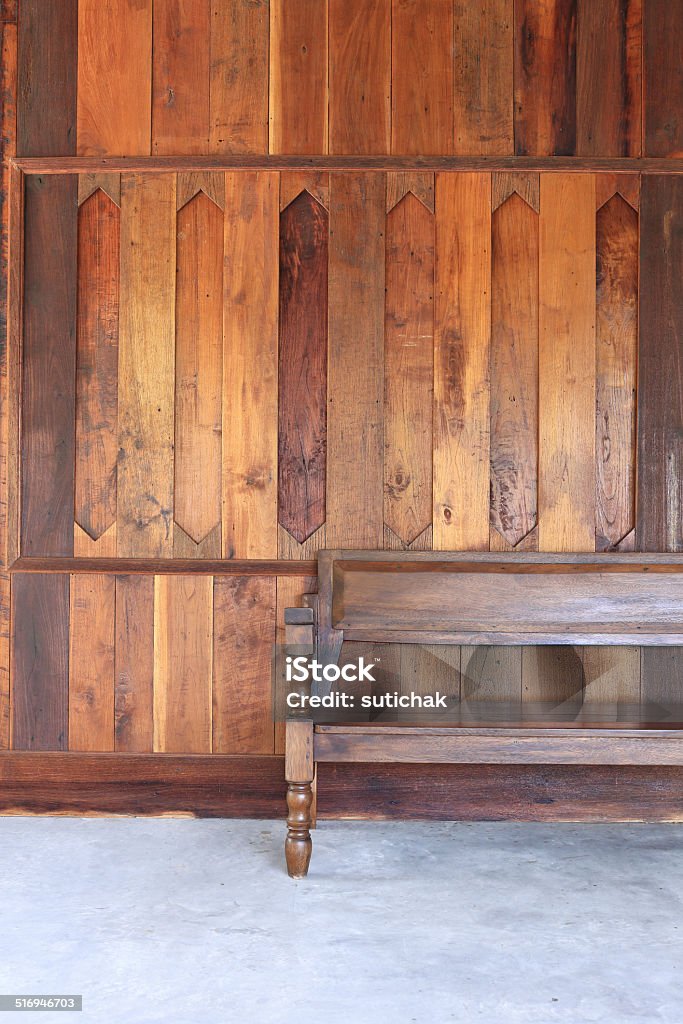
{"x": 458, "y": 598}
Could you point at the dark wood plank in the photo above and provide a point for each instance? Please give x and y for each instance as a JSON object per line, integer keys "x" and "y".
{"x": 545, "y": 77}
{"x": 153, "y": 566}
{"x": 302, "y": 376}
{"x": 483, "y": 77}
{"x": 97, "y": 364}
{"x": 134, "y": 682}
{"x": 40, "y": 662}
{"x": 46, "y": 99}
{"x": 49, "y": 370}
{"x": 663, "y": 72}
{"x": 609, "y": 78}
{"x": 360, "y": 76}
{"x": 180, "y": 76}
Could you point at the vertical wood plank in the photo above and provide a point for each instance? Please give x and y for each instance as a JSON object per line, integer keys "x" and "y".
{"x": 483, "y": 78}
{"x": 134, "y": 685}
{"x": 290, "y": 592}
{"x": 114, "y": 77}
{"x": 298, "y": 76}
{"x": 97, "y": 364}
{"x": 612, "y": 675}
{"x": 46, "y": 94}
{"x": 356, "y": 357}
{"x": 91, "y": 662}
{"x": 514, "y": 370}
{"x": 146, "y": 366}
{"x": 302, "y": 449}
{"x": 566, "y": 517}
{"x": 180, "y": 76}
{"x": 461, "y": 362}
{"x": 183, "y": 663}
{"x": 617, "y": 344}
{"x": 239, "y": 76}
{"x": 422, "y": 77}
{"x": 408, "y": 369}
{"x": 250, "y": 333}
{"x": 609, "y": 78}
{"x": 545, "y": 77}
{"x": 244, "y": 634}
{"x": 199, "y": 367}
{"x": 663, "y": 71}
{"x": 40, "y": 661}
{"x": 360, "y": 76}
{"x": 491, "y": 673}
{"x": 49, "y": 365}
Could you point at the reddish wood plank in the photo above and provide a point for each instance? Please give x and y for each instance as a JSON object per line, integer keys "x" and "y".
{"x": 461, "y": 362}
{"x": 91, "y": 663}
{"x": 5, "y": 658}
{"x": 40, "y": 662}
{"x": 183, "y": 657}
{"x": 483, "y": 86}
{"x": 356, "y": 357}
{"x": 298, "y": 76}
{"x": 46, "y": 96}
{"x": 199, "y": 367}
{"x": 180, "y": 76}
{"x": 114, "y": 77}
{"x": 302, "y": 445}
{"x": 134, "y": 684}
{"x": 360, "y": 76}
{"x": 243, "y": 638}
{"x": 422, "y": 76}
{"x": 609, "y": 78}
{"x": 616, "y": 346}
{"x": 545, "y": 77}
{"x": 514, "y": 370}
{"x": 239, "y": 76}
{"x": 49, "y": 370}
{"x": 663, "y": 72}
{"x": 408, "y": 369}
{"x": 97, "y": 364}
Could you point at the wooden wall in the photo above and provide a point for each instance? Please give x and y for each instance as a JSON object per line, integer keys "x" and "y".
{"x": 254, "y": 364}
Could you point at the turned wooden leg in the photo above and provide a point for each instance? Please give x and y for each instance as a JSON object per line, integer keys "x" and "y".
{"x": 298, "y": 844}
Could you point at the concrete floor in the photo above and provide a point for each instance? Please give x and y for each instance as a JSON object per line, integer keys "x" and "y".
{"x": 186, "y": 921}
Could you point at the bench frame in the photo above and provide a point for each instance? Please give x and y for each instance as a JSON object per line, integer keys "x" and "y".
{"x": 385, "y": 597}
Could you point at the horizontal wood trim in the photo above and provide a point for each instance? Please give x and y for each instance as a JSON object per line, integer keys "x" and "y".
{"x": 503, "y": 746}
{"x": 530, "y": 638}
{"x": 276, "y": 162}
{"x": 546, "y": 567}
{"x": 213, "y": 786}
{"x": 167, "y": 566}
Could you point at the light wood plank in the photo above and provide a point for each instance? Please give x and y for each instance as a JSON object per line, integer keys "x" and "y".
{"x": 91, "y": 663}
{"x": 239, "y": 76}
{"x": 134, "y": 695}
{"x": 180, "y": 86}
{"x": 422, "y": 76}
{"x": 298, "y": 76}
{"x": 360, "y": 76}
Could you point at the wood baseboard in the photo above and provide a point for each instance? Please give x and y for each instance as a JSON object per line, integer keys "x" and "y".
{"x": 216, "y": 786}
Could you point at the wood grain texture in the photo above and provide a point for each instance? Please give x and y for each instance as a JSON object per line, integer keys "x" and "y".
{"x": 611, "y": 674}
{"x": 243, "y": 638}
{"x": 408, "y": 369}
{"x": 146, "y": 366}
{"x": 97, "y": 364}
{"x": 302, "y": 376}
{"x": 616, "y": 347}
{"x": 290, "y": 591}
{"x": 298, "y": 76}
{"x": 461, "y": 362}
{"x": 566, "y": 516}
{"x": 114, "y": 77}
{"x": 545, "y": 77}
{"x": 180, "y": 76}
{"x": 91, "y": 663}
{"x": 514, "y": 370}
{"x": 422, "y": 76}
{"x": 609, "y": 78}
{"x": 663, "y": 78}
{"x": 239, "y": 76}
{"x": 250, "y": 394}
{"x": 659, "y": 525}
{"x": 360, "y": 76}
{"x": 483, "y": 77}
{"x": 198, "y": 368}
{"x": 5, "y": 658}
{"x": 134, "y": 683}
{"x": 491, "y": 673}
{"x": 356, "y": 357}
{"x": 40, "y": 663}
{"x": 49, "y": 366}
{"x": 183, "y": 663}
{"x": 46, "y": 94}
